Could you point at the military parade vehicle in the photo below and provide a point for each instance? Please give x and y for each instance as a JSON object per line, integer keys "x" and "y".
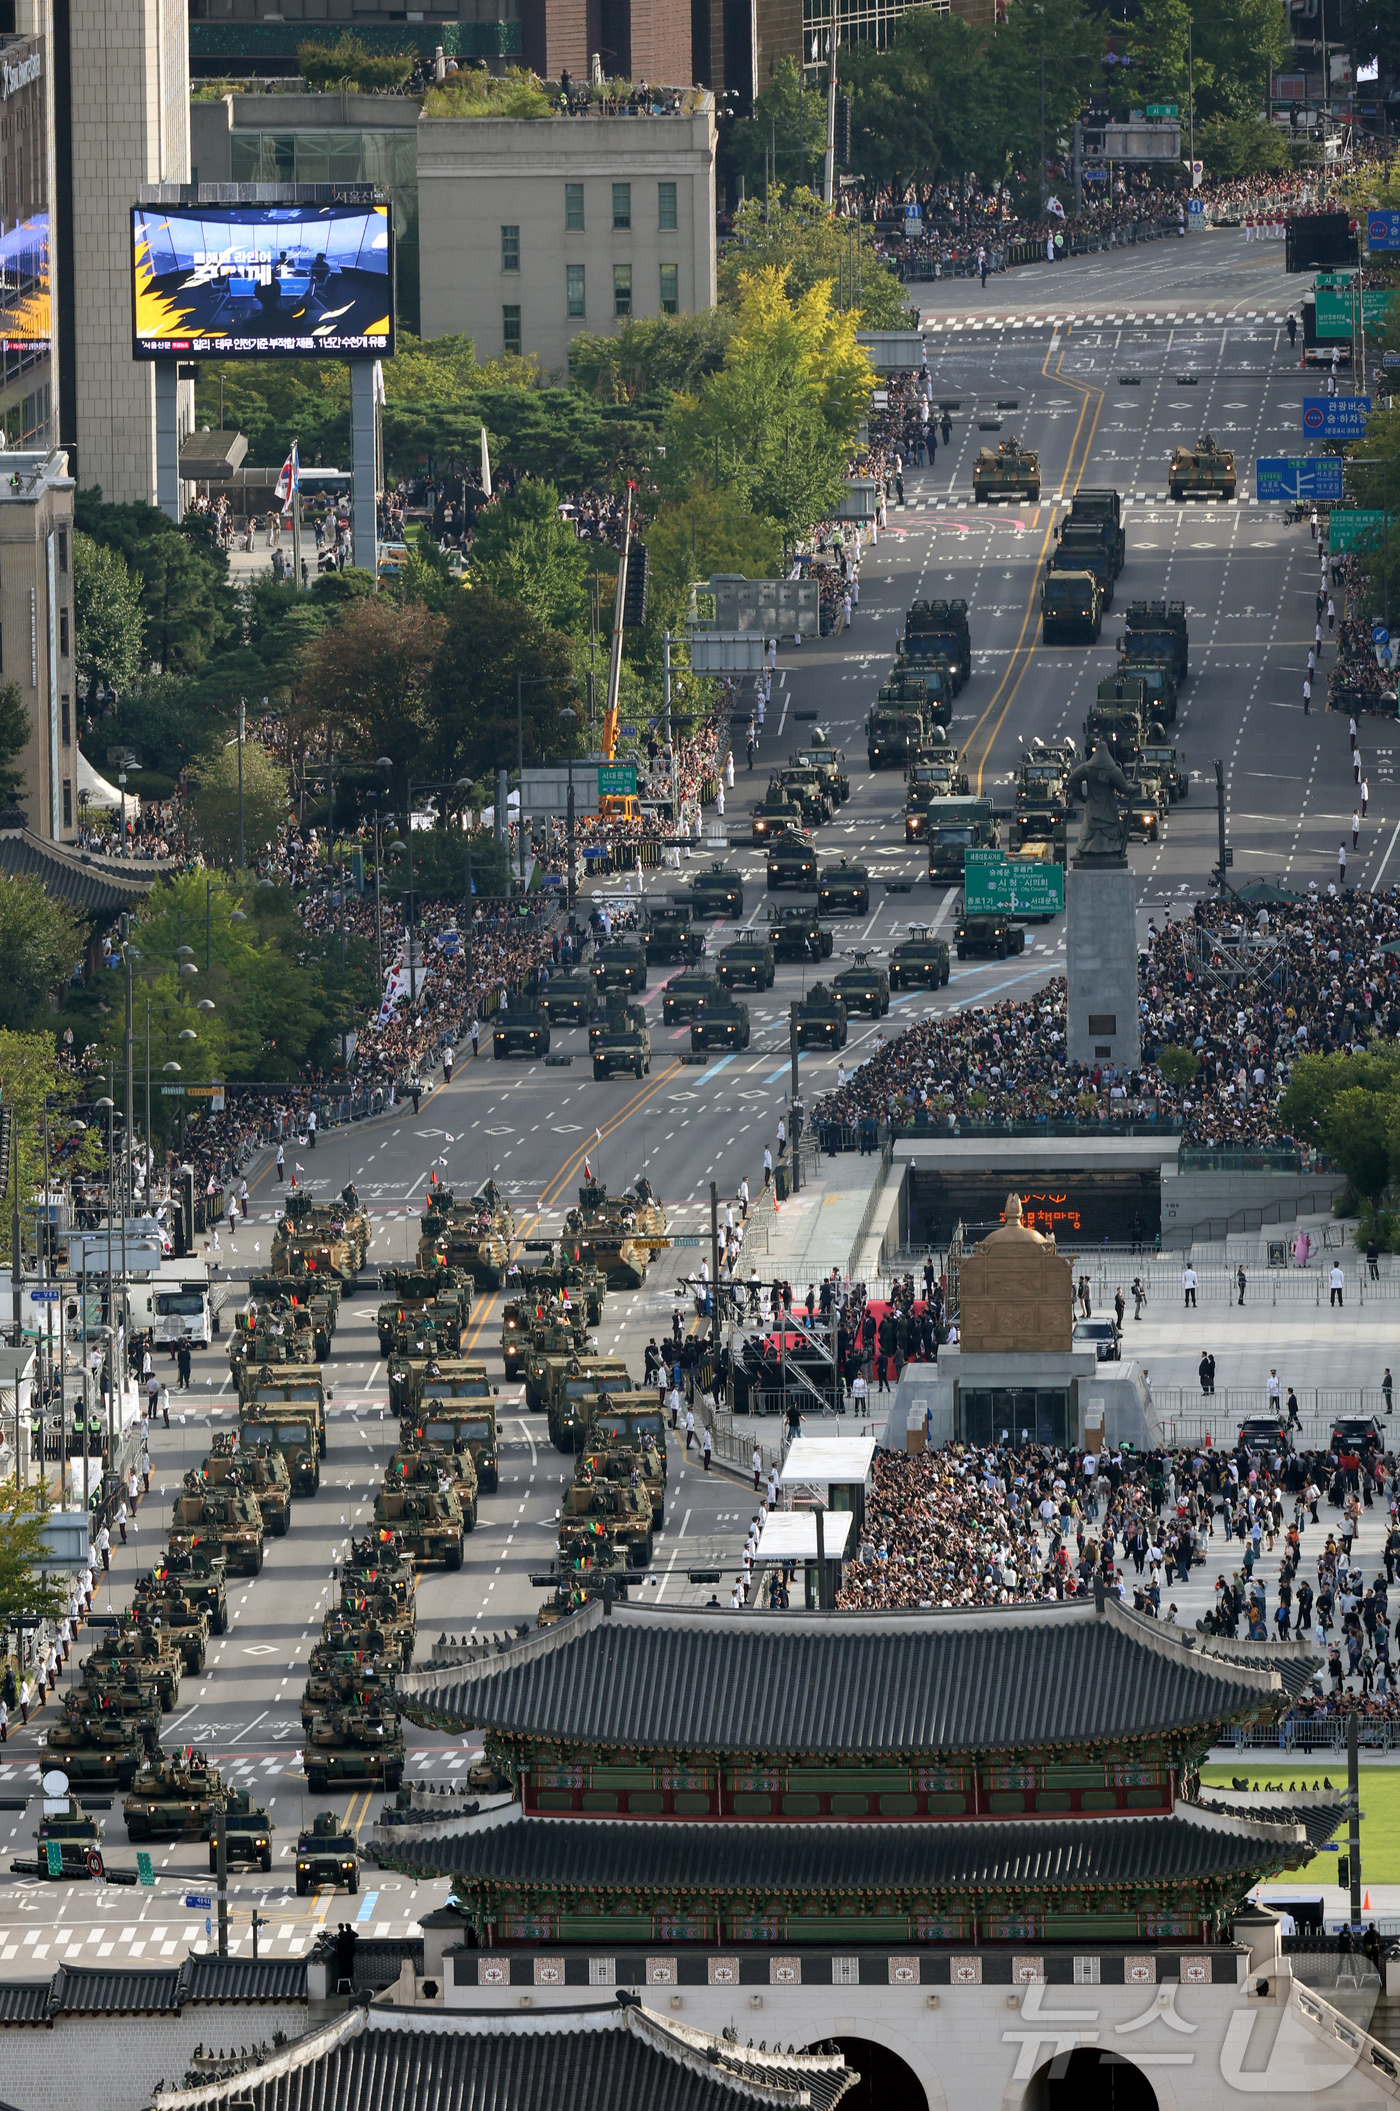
{"x": 939, "y": 630}
{"x": 613, "y": 1507}
{"x": 226, "y": 1519}
{"x": 136, "y": 1649}
{"x": 327, "y": 1856}
{"x": 417, "y": 1290}
{"x": 863, "y": 988}
{"x": 1083, "y": 549}
{"x": 1071, "y": 608}
{"x": 161, "y": 1598}
{"x": 621, "y": 964}
{"x": 427, "y": 1517}
{"x": 821, "y": 1018}
{"x": 1042, "y": 799}
{"x": 774, "y": 812}
{"x": 201, "y": 1573}
{"x": 639, "y": 1464}
{"x": 292, "y": 1429}
{"x": 172, "y": 1799}
{"x": 1144, "y": 809}
{"x": 325, "y": 1239}
{"x": 798, "y": 934}
{"x": 671, "y": 933}
{"x": 810, "y": 790}
{"x": 843, "y": 889}
{"x": 343, "y": 1678}
{"x": 474, "y": 1235}
{"x": 353, "y": 1745}
{"x": 822, "y": 754}
{"x": 1164, "y": 762}
{"x": 1159, "y": 628}
{"x": 419, "y": 1463}
{"x": 1119, "y": 726}
{"x": 718, "y": 891}
{"x": 259, "y": 1469}
{"x": 620, "y": 1040}
{"x": 792, "y": 861}
{"x": 300, "y": 1387}
{"x": 617, "y": 1233}
{"x": 892, "y": 735}
{"x": 988, "y": 931}
{"x": 1012, "y": 471}
{"x": 520, "y": 1032}
{"x": 954, "y": 827}
{"x": 746, "y": 963}
{"x": 630, "y": 1420}
{"x": 461, "y": 1424}
{"x": 69, "y": 1847}
{"x": 571, "y": 1387}
{"x": 723, "y": 1023}
{"x": 553, "y": 1335}
{"x": 247, "y": 1834}
{"x": 685, "y": 995}
{"x": 1104, "y": 509}
{"x": 1204, "y": 470}
{"x": 920, "y": 961}
{"x": 93, "y": 1744}
{"x": 570, "y": 997}
{"x": 1153, "y": 672}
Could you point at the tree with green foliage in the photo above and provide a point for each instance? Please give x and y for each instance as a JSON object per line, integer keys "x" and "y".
{"x": 188, "y": 610}
{"x": 41, "y": 942}
{"x": 698, "y": 534}
{"x": 30, "y": 1079}
{"x": 1238, "y": 46}
{"x": 784, "y": 141}
{"x": 650, "y": 357}
{"x": 525, "y": 552}
{"x": 1241, "y": 146}
{"x": 107, "y": 617}
{"x": 26, "y": 1586}
{"x": 487, "y": 644}
{"x": 215, "y": 802}
{"x": 799, "y": 236}
{"x": 349, "y": 64}
{"x": 366, "y": 681}
{"x": 14, "y": 739}
{"x": 1371, "y": 29}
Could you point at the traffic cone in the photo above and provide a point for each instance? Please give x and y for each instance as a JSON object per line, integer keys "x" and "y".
{"x": 1366, "y": 1903}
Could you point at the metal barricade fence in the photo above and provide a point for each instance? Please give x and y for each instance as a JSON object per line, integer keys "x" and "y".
{"x": 1217, "y": 1282}
{"x": 1188, "y": 1418}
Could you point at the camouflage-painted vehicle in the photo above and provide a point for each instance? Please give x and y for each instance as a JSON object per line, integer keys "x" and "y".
{"x": 1203, "y": 470}
{"x": 809, "y": 787}
{"x": 92, "y": 1745}
{"x": 452, "y": 1412}
{"x": 247, "y": 1834}
{"x": 227, "y": 1519}
{"x": 258, "y": 1469}
{"x": 844, "y": 889}
{"x": 671, "y": 934}
{"x": 76, "y": 1835}
{"x": 1012, "y": 471}
{"x": 189, "y": 1623}
{"x": 747, "y": 962}
{"x": 792, "y": 860}
{"x": 301, "y": 1288}
{"x": 473, "y": 1236}
{"x": 821, "y": 1019}
{"x": 387, "y": 1649}
{"x": 569, "y": 998}
{"x": 724, "y": 1023}
{"x": 622, "y": 1509}
{"x": 443, "y": 1292}
{"x": 353, "y": 1745}
{"x": 552, "y": 1348}
{"x": 639, "y": 1467}
{"x": 572, "y": 1386}
{"x": 333, "y": 1255}
{"x": 863, "y": 988}
{"x": 573, "y": 1584}
{"x": 293, "y": 1432}
{"x": 718, "y": 891}
{"x": 343, "y": 1679}
{"x": 169, "y": 1801}
{"x": 202, "y": 1575}
{"x": 617, "y": 1233}
{"x": 684, "y": 995}
{"x": 326, "y": 1855}
{"x": 420, "y": 1462}
{"x": 428, "y": 1519}
{"x": 823, "y": 755}
{"x": 295, "y": 1386}
{"x": 135, "y": 1653}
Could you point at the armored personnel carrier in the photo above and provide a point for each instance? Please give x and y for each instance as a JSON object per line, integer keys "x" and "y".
{"x": 617, "y": 1233}
{"x": 671, "y": 933}
{"x": 685, "y": 995}
{"x": 843, "y": 889}
{"x": 247, "y": 1834}
{"x": 774, "y": 812}
{"x": 94, "y": 1745}
{"x": 227, "y": 1519}
{"x": 863, "y": 988}
{"x": 920, "y": 961}
{"x": 1012, "y": 471}
{"x": 353, "y": 1745}
{"x": 821, "y": 1019}
{"x": 723, "y": 1023}
{"x": 1204, "y": 470}
{"x": 792, "y": 861}
{"x": 169, "y": 1801}
{"x": 717, "y": 891}
{"x": 523, "y": 1032}
{"x": 327, "y": 1856}
{"x": 259, "y": 1470}
{"x": 569, "y": 998}
{"x": 746, "y": 963}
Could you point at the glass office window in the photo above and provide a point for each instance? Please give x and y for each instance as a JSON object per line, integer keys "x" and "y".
{"x": 666, "y": 206}
{"x": 510, "y": 329}
{"x": 670, "y": 288}
{"x": 622, "y": 206}
{"x": 622, "y": 291}
{"x": 573, "y": 274}
{"x": 573, "y": 208}
{"x": 510, "y": 249}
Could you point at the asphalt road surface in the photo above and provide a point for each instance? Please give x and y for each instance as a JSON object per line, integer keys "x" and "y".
{"x": 1057, "y": 339}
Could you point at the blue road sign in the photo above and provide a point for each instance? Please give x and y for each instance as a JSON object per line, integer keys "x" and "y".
{"x": 46, "y": 1297}
{"x": 1298, "y": 476}
{"x": 1383, "y": 230}
{"x": 1197, "y": 205}
{"x": 1335, "y": 417}
{"x": 197, "y": 1902}
{"x": 1379, "y": 634}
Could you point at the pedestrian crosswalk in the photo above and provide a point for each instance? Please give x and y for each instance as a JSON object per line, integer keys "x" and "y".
{"x": 951, "y": 324}
{"x": 955, "y": 503}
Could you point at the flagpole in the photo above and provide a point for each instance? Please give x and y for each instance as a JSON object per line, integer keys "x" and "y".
{"x": 296, "y": 519}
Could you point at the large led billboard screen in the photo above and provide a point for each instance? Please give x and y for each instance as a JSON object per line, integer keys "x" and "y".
{"x": 25, "y": 312}
{"x": 262, "y": 281}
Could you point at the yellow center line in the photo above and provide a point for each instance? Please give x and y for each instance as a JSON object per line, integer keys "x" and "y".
{"x": 552, "y": 1187}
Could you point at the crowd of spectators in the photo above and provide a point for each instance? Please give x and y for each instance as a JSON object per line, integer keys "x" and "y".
{"x": 1357, "y": 683}
{"x": 1245, "y": 989}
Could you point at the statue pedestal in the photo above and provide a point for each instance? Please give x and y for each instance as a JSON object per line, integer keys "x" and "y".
{"x": 1102, "y": 1022}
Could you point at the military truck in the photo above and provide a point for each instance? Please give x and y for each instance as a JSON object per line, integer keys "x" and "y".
{"x": 619, "y": 1041}
{"x": 202, "y": 1576}
{"x": 1119, "y": 727}
{"x": 988, "y": 931}
{"x": 427, "y": 1518}
{"x": 843, "y": 889}
{"x": 228, "y": 1519}
{"x": 293, "y": 1431}
{"x": 671, "y": 934}
{"x": 809, "y": 788}
{"x": 723, "y": 1023}
{"x": 569, "y": 1383}
{"x": 247, "y": 1834}
{"x": 892, "y": 735}
{"x": 939, "y": 629}
{"x": 685, "y": 996}
{"x": 1083, "y": 549}
{"x": 297, "y": 1386}
{"x": 1104, "y": 509}
{"x": 792, "y": 861}
{"x": 920, "y": 961}
{"x": 1159, "y": 626}
{"x": 863, "y": 988}
{"x": 76, "y": 1835}
{"x": 821, "y": 1018}
{"x": 327, "y": 1856}
{"x": 747, "y": 962}
{"x": 1152, "y": 670}
{"x": 919, "y": 796}
{"x": 259, "y": 1469}
{"x": 1041, "y": 798}
{"x": 774, "y": 812}
{"x": 1167, "y": 766}
{"x": 353, "y": 1745}
{"x": 718, "y": 891}
{"x": 172, "y": 1801}
{"x": 822, "y": 754}
{"x": 520, "y": 1033}
{"x": 569, "y": 998}
{"x": 954, "y": 827}
{"x": 621, "y": 964}
{"x": 630, "y": 1421}
{"x": 615, "y": 1508}
{"x": 1071, "y": 608}
{"x": 797, "y": 934}
{"x": 1013, "y": 471}
{"x": 1202, "y": 471}
{"x": 1145, "y": 810}
{"x": 93, "y": 1744}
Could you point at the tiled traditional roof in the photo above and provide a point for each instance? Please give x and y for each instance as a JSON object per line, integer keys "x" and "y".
{"x": 590, "y": 2059}
{"x": 96, "y": 886}
{"x": 94, "y": 1990}
{"x": 985, "y": 1680}
{"x": 584, "y": 1854}
{"x": 1319, "y": 1812}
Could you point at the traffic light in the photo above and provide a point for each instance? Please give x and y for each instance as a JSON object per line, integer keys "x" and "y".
{"x": 843, "y": 131}
{"x": 634, "y": 594}
{"x": 1344, "y": 1871}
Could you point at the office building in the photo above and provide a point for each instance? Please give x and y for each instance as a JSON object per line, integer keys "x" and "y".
{"x": 36, "y": 630}
{"x": 537, "y": 229}
{"x": 241, "y": 39}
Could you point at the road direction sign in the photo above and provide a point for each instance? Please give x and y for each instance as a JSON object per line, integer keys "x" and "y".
{"x": 1350, "y": 525}
{"x": 1383, "y": 230}
{"x": 44, "y": 1296}
{"x": 145, "y": 1873}
{"x": 617, "y": 779}
{"x": 1335, "y": 417}
{"x": 1298, "y": 476}
{"x": 1015, "y": 886}
{"x": 198, "y": 1901}
{"x": 1161, "y": 110}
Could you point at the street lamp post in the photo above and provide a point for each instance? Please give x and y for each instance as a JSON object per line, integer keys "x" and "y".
{"x": 569, "y": 892}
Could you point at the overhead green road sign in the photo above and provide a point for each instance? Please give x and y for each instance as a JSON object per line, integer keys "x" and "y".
{"x": 1161, "y": 110}
{"x": 1015, "y": 886}
{"x": 1334, "y": 313}
{"x": 1349, "y": 526}
{"x": 617, "y": 779}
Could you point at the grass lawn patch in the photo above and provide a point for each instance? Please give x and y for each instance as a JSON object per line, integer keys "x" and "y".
{"x": 1380, "y": 1803}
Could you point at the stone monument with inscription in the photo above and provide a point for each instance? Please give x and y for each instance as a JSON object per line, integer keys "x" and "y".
{"x": 1101, "y": 1014}
{"x": 1015, "y": 1293}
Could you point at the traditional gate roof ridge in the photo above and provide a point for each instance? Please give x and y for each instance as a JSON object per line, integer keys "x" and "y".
{"x": 985, "y": 1678}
